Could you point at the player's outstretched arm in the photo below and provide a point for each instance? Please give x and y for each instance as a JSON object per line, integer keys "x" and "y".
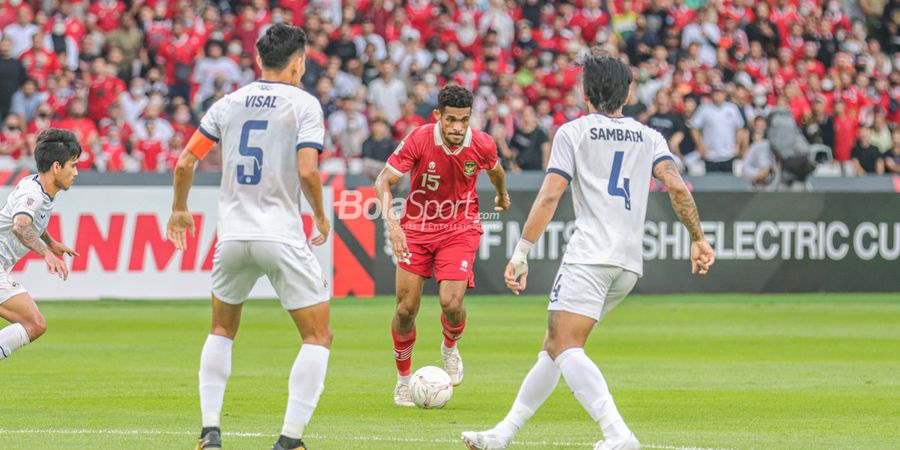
{"x": 311, "y": 183}
{"x": 541, "y": 213}
{"x": 498, "y": 179}
{"x": 23, "y": 230}
{"x": 383, "y": 184}
{"x": 56, "y": 247}
{"x": 702, "y": 255}
{"x": 181, "y": 219}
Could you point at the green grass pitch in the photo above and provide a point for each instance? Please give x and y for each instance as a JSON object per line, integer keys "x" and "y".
{"x": 723, "y": 371}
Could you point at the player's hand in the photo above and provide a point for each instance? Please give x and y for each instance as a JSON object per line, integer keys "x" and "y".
{"x": 176, "y": 231}
{"x": 516, "y": 276}
{"x": 59, "y": 249}
{"x": 56, "y": 266}
{"x": 702, "y": 257}
{"x": 502, "y": 202}
{"x": 324, "y": 227}
{"x": 398, "y": 243}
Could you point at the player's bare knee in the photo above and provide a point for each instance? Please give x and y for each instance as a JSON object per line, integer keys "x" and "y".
{"x": 406, "y": 311}
{"x": 223, "y": 331}
{"x": 452, "y": 302}
{"x": 35, "y": 327}
{"x": 323, "y": 338}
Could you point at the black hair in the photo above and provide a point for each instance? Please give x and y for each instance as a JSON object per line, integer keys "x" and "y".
{"x": 279, "y": 44}
{"x": 210, "y": 43}
{"x": 55, "y": 145}
{"x": 454, "y": 96}
{"x": 606, "y": 82}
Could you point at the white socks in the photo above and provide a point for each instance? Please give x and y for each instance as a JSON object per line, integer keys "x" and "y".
{"x": 12, "y": 338}
{"x": 589, "y": 387}
{"x": 537, "y": 386}
{"x": 215, "y": 368}
{"x": 304, "y": 388}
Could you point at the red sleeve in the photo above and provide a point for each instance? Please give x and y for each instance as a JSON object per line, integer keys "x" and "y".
{"x": 488, "y": 150}
{"x": 405, "y": 156}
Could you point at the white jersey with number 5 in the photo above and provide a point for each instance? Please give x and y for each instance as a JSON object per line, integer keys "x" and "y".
{"x": 261, "y": 127}
{"x": 609, "y": 162}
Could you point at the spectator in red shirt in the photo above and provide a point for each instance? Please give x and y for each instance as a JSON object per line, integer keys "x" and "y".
{"x": 74, "y": 26}
{"x": 182, "y": 123}
{"x": 13, "y": 142}
{"x": 845, "y": 129}
{"x": 178, "y": 55}
{"x": 40, "y": 62}
{"x": 108, "y": 13}
{"x": 152, "y": 148}
{"x": 105, "y": 89}
{"x": 408, "y": 121}
{"x": 115, "y": 120}
{"x": 112, "y": 148}
{"x": 78, "y": 123}
{"x": 589, "y": 20}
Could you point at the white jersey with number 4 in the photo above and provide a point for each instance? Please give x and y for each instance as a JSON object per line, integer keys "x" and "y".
{"x": 261, "y": 127}
{"x": 609, "y": 162}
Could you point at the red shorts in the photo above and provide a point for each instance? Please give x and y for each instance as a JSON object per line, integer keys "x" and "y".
{"x": 451, "y": 258}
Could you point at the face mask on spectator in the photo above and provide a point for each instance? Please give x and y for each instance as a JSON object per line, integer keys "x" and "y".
{"x": 277, "y": 19}
{"x": 235, "y": 49}
{"x": 137, "y": 91}
{"x": 15, "y": 3}
{"x": 182, "y": 117}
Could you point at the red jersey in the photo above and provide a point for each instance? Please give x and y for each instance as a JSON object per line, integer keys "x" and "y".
{"x": 103, "y": 93}
{"x": 442, "y": 195}
{"x": 107, "y": 14}
{"x": 151, "y": 149}
{"x": 40, "y": 64}
{"x": 405, "y": 125}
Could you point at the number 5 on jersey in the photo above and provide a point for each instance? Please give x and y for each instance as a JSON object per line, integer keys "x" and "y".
{"x": 255, "y": 153}
{"x": 613, "y": 188}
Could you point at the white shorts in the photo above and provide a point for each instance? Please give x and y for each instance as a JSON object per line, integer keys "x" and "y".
{"x": 9, "y": 287}
{"x": 591, "y": 290}
{"x": 293, "y": 271}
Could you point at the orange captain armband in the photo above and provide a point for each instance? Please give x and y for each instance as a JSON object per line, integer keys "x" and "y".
{"x": 200, "y": 144}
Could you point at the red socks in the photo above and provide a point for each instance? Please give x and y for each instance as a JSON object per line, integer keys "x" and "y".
{"x": 403, "y": 347}
{"x": 452, "y": 333}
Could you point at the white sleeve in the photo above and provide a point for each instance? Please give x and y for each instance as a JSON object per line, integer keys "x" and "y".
{"x": 211, "y": 124}
{"x": 27, "y": 204}
{"x": 562, "y": 155}
{"x": 311, "y": 132}
{"x": 660, "y": 148}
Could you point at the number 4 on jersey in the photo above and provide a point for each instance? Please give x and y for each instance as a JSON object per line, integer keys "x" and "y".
{"x": 256, "y": 153}
{"x": 614, "y": 189}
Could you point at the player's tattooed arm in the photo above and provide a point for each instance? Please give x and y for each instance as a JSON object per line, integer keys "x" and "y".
{"x": 681, "y": 198}
{"x": 24, "y": 232}
{"x": 46, "y": 238}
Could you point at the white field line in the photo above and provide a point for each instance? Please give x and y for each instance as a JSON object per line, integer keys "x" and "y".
{"x": 318, "y": 437}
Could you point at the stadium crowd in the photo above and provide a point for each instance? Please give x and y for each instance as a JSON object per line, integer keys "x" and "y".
{"x": 133, "y": 78}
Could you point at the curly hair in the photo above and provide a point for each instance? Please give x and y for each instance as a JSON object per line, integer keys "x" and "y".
{"x": 55, "y": 145}
{"x": 454, "y": 96}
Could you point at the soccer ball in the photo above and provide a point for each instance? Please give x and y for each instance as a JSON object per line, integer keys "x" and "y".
{"x": 431, "y": 387}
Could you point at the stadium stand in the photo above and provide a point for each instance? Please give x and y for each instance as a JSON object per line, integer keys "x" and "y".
{"x": 133, "y": 78}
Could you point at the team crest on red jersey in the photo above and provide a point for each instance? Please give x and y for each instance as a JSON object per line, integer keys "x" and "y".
{"x": 469, "y": 168}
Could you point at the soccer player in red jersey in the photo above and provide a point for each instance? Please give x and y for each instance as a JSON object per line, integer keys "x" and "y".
{"x": 439, "y": 230}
